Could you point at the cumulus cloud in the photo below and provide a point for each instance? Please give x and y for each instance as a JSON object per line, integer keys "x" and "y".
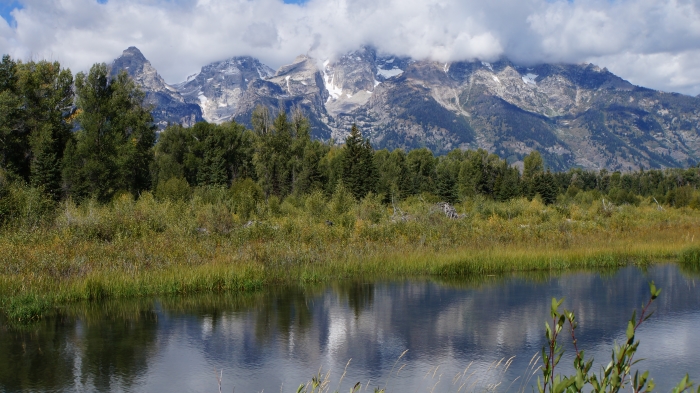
{"x": 655, "y": 43}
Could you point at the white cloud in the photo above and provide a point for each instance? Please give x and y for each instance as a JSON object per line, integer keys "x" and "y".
{"x": 655, "y": 43}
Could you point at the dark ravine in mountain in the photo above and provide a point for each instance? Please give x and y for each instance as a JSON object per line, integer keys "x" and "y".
{"x": 575, "y": 115}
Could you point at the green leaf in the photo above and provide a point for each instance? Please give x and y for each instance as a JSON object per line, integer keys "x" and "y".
{"x": 630, "y": 330}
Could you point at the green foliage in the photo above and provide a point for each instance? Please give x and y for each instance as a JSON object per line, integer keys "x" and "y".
{"x": 246, "y": 195}
{"x": 24, "y": 207}
{"x": 173, "y": 189}
{"x": 533, "y": 166}
{"x": 615, "y": 376}
{"x": 342, "y": 200}
{"x": 395, "y": 180}
{"x": 316, "y": 205}
{"x": 26, "y": 308}
{"x": 205, "y": 154}
{"x": 112, "y": 149}
{"x": 543, "y": 184}
{"x": 359, "y": 170}
{"x": 371, "y": 208}
{"x": 35, "y": 102}
{"x": 421, "y": 166}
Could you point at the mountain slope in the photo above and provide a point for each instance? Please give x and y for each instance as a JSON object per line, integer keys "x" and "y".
{"x": 219, "y": 86}
{"x": 575, "y": 115}
{"x": 168, "y": 105}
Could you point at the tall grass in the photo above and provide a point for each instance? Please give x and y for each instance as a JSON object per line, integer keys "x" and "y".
{"x": 212, "y": 243}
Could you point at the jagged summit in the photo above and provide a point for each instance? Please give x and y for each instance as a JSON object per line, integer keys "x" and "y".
{"x": 134, "y": 52}
{"x": 219, "y": 86}
{"x": 169, "y": 105}
{"x": 576, "y": 115}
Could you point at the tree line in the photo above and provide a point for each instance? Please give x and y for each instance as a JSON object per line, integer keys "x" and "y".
{"x": 92, "y": 137}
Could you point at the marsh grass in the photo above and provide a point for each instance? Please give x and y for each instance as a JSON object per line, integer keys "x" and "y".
{"x": 211, "y": 243}
{"x": 471, "y": 379}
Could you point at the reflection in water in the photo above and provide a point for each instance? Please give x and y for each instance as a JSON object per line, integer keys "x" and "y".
{"x": 279, "y": 338}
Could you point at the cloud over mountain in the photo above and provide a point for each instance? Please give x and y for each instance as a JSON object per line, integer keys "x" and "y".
{"x": 655, "y": 43}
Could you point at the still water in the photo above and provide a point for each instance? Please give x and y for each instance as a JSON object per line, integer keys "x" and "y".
{"x": 274, "y": 340}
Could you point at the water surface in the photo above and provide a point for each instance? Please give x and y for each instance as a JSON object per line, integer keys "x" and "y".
{"x": 276, "y": 339}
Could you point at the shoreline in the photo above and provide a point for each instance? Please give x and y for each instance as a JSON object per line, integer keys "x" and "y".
{"x": 145, "y": 247}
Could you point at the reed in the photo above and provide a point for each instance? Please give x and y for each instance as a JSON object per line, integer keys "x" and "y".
{"x": 134, "y": 248}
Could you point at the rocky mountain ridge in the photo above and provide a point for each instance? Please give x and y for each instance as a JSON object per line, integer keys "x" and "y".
{"x": 575, "y": 115}
{"x": 169, "y": 106}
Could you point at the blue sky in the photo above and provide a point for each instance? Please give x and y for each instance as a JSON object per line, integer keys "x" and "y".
{"x": 653, "y": 43}
{"x": 6, "y": 8}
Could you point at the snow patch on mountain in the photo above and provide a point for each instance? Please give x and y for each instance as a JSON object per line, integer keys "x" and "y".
{"x": 389, "y": 73}
{"x": 529, "y": 78}
{"x": 334, "y": 91}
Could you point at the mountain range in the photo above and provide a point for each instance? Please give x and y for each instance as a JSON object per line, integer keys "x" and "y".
{"x": 575, "y": 115}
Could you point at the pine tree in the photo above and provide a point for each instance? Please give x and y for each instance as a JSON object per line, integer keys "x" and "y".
{"x": 273, "y": 153}
{"x": 544, "y": 185}
{"x": 359, "y": 170}
{"x": 507, "y": 184}
{"x": 447, "y": 171}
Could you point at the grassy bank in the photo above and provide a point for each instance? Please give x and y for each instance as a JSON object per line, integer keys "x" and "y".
{"x": 145, "y": 247}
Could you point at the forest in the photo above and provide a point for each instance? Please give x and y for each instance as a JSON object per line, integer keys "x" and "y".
{"x": 97, "y": 141}
{"x": 95, "y": 202}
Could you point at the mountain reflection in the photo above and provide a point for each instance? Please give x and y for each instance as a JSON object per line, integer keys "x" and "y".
{"x": 280, "y": 337}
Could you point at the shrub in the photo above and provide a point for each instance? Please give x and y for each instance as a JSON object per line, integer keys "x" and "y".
{"x": 615, "y": 376}
{"x": 173, "y": 189}
{"x": 246, "y": 195}
{"x": 371, "y": 208}
{"x": 23, "y": 206}
{"x": 316, "y": 205}
{"x": 342, "y": 200}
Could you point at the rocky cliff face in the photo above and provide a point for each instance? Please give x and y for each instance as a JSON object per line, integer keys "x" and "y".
{"x": 219, "y": 86}
{"x": 575, "y": 115}
{"x": 168, "y": 105}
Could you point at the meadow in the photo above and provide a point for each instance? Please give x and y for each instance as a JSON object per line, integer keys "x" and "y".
{"x": 209, "y": 241}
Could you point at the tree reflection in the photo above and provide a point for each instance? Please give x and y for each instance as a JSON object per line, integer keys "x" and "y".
{"x": 283, "y": 310}
{"x": 358, "y": 294}
{"x": 117, "y": 350}
{"x": 36, "y": 357}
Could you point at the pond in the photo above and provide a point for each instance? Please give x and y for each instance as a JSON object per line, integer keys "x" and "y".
{"x": 405, "y": 335}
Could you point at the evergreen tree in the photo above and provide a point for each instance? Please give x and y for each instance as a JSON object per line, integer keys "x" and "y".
{"x": 507, "y": 184}
{"x": 394, "y": 180}
{"x": 447, "y": 173}
{"x": 273, "y": 153}
{"x": 472, "y": 178}
{"x": 544, "y": 185}
{"x": 359, "y": 170}
{"x": 212, "y": 171}
{"x": 331, "y": 166}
